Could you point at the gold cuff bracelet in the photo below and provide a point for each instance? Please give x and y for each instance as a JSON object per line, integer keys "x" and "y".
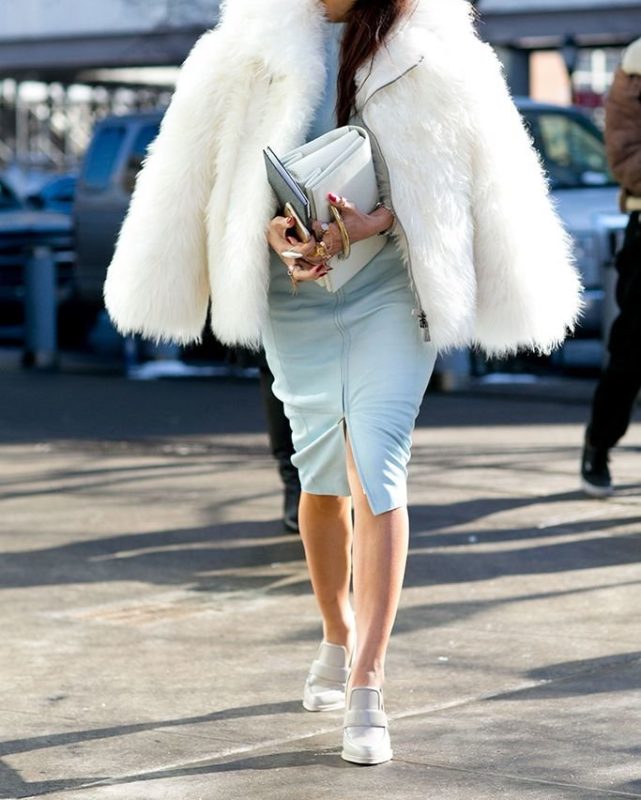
{"x": 344, "y": 234}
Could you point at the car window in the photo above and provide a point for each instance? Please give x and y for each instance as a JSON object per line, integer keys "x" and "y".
{"x": 102, "y": 157}
{"x": 139, "y": 150}
{"x": 7, "y": 198}
{"x": 572, "y": 149}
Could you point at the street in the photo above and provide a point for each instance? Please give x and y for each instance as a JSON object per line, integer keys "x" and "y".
{"x": 158, "y": 624}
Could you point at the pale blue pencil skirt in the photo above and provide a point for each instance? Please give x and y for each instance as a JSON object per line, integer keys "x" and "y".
{"x": 356, "y": 355}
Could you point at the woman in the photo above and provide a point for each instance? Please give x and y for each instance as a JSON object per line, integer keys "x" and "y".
{"x": 476, "y": 256}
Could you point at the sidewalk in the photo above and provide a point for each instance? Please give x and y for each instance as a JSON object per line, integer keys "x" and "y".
{"x": 158, "y": 624}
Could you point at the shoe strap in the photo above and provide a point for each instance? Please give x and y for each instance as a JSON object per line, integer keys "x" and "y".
{"x": 329, "y": 671}
{"x": 366, "y": 717}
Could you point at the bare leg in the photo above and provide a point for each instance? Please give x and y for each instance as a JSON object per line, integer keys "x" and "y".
{"x": 325, "y": 523}
{"x": 380, "y": 556}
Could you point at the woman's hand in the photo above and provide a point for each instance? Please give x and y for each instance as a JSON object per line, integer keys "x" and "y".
{"x": 280, "y": 241}
{"x": 358, "y": 224}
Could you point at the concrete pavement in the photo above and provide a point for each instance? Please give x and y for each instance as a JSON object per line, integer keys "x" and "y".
{"x": 158, "y": 624}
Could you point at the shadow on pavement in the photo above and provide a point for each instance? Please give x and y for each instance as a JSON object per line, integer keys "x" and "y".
{"x": 206, "y": 558}
{"x": 157, "y": 558}
{"x": 430, "y": 616}
{"x": 326, "y": 757}
{"x": 72, "y": 737}
{"x": 53, "y": 407}
{"x": 12, "y": 786}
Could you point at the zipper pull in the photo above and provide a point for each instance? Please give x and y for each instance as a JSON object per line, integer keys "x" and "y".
{"x": 423, "y": 323}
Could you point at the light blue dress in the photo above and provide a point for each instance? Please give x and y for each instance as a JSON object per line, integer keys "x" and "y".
{"x": 356, "y": 355}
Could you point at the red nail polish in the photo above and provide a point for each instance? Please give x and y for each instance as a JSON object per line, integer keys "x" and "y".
{"x": 332, "y": 197}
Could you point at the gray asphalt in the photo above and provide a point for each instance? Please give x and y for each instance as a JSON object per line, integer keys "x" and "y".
{"x": 158, "y": 623}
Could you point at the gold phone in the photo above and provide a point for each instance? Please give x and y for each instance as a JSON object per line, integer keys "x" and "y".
{"x": 301, "y": 231}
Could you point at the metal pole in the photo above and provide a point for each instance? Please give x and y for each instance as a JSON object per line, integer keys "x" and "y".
{"x": 40, "y": 309}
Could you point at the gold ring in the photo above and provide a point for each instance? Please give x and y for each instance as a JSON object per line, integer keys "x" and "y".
{"x": 321, "y": 251}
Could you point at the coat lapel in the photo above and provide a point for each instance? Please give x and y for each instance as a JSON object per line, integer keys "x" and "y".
{"x": 388, "y": 66}
{"x": 411, "y": 42}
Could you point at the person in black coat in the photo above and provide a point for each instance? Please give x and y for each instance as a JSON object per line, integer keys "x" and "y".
{"x": 280, "y": 438}
{"x": 619, "y": 385}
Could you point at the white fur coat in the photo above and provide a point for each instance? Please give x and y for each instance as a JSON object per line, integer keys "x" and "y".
{"x": 491, "y": 262}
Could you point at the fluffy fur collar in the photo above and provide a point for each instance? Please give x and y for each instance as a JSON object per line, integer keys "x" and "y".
{"x": 249, "y": 21}
{"x": 260, "y": 26}
{"x": 428, "y": 25}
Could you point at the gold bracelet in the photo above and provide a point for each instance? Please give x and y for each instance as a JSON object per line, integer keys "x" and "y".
{"x": 344, "y": 234}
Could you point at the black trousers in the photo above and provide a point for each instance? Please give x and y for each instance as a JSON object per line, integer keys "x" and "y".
{"x": 278, "y": 428}
{"x": 620, "y": 382}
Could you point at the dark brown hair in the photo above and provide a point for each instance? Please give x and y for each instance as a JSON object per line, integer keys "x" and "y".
{"x": 367, "y": 25}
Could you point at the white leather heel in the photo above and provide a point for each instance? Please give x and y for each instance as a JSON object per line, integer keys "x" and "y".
{"x": 366, "y": 737}
{"x": 326, "y": 681}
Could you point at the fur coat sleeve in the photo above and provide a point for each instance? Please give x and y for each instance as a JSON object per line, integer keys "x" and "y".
{"x": 623, "y": 130}
{"x": 162, "y": 237}
{"x": 528, "y": 286}
{"x": 195, "y": 233}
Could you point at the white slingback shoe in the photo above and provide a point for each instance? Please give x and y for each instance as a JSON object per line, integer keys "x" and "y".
{"x": 366, "y": 737}
{"x": 326, "y": 681}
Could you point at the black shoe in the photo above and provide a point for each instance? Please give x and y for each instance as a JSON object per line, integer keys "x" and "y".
{"x": 290, "y": 507}
{"x": 595, "y": 473}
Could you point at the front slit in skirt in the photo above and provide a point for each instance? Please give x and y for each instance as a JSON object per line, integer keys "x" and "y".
{"x": 355, "y": 356}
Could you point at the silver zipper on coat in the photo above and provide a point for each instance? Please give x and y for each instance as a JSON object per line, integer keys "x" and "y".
{"x": 419, "y": 312}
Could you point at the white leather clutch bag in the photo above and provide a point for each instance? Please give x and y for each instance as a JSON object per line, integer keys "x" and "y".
{"x": 339, "y": 161}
